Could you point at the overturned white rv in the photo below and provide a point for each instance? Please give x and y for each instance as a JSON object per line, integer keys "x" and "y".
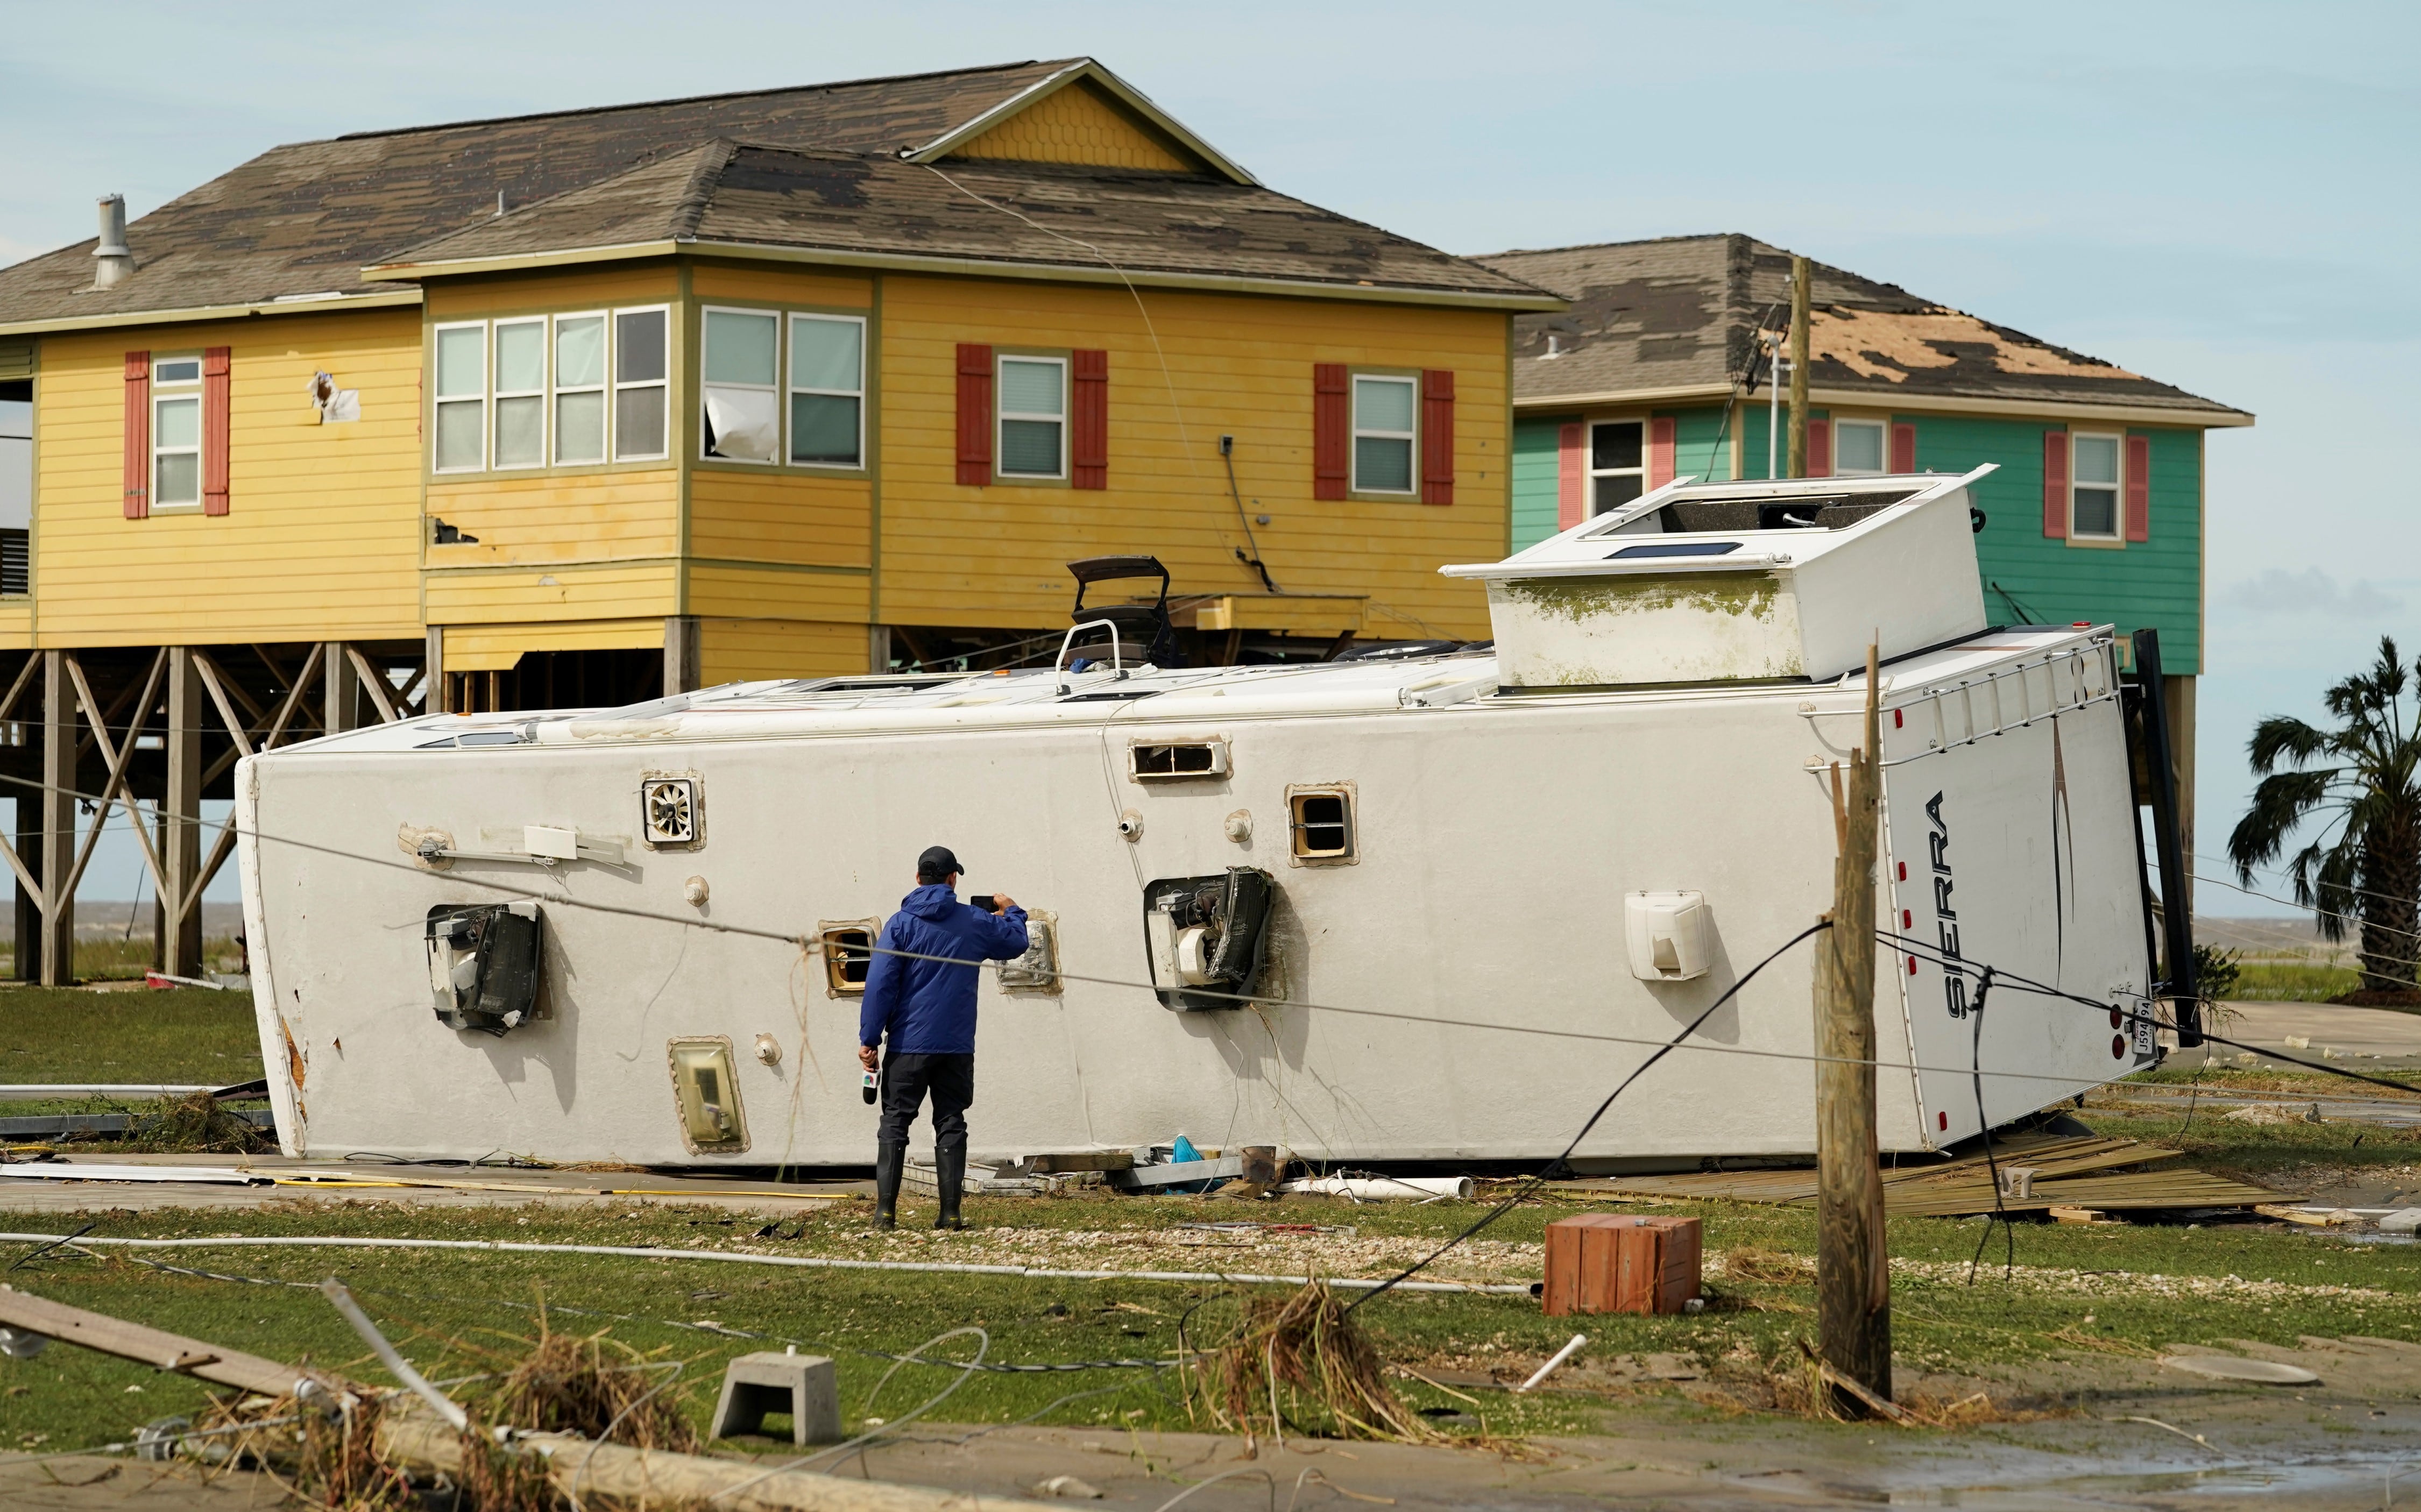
{"x": 1467, "y": 891}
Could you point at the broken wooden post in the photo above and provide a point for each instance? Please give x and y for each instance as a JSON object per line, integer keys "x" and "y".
{"x": 1853, "y": 1271}
{"x": 156, "y": 1347}
{"x": 1798, "y": 282}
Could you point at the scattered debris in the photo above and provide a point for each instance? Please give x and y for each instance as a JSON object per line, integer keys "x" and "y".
{"x": 1299, "y": 1362}
{"x": 1553, "y": 1361}
{"x": 1068, "y": 1486}
{"x": 2234, "y": 1367}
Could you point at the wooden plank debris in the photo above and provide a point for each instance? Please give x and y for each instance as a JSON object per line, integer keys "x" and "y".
{"x": 2095, "y": 1173}
{"x": 156, "y": 1347}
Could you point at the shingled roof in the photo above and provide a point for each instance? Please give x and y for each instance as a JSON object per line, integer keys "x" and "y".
{"x": 1678, "y": 315}
{"x": 306, "y": 219}
{"x": 737, "y": 197}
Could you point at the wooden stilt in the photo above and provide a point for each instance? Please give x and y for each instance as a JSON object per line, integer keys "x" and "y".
{"x": 56, "y": 802}
{"x": 29, "y": 906}
{"x": 180, "y": 838}
{"x": 340, "y": 688}
{"x": 1853, "y": 1270}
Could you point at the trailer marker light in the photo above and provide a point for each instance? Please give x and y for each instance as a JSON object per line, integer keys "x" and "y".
{"x": 1898, "y": 719}
{"x": 1907, "y": 920}
{"x": 1941, "y": 1121}
{"x": 1903, "y": 871}
{"x": 1912, "y": 965}
{"x": 2118, "y": 1047}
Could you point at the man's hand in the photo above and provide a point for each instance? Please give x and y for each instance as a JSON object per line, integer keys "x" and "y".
{"x": 866, "y": 1057}
{"x": 1001, "y": 902}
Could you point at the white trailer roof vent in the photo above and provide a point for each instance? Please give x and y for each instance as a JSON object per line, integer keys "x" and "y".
{"x": 1739, "y": 582}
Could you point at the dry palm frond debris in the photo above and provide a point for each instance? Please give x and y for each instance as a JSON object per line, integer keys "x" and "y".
{"x": 1803, "y": 1386}
{"x": 595, "y": 1386}
{"x": 1770, "y": 1268}
{"x": 1298, "y": 1363}
{"x": 198, "y": 1124}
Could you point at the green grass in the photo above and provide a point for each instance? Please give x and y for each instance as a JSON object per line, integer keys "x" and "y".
{"x": 2291, "y": 982}
{"x": 184, "y": 1035}
{"x": 460, "y": 1312}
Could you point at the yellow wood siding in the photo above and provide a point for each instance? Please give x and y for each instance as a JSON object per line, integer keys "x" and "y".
{"x": 555, "y": 291}
{"x": 788, "y": 515}
{"x": 497, "y": 648}
{"x": 322, "y": 537}
{"x": 1079, "y": 124}
{"x": 589, "y": 515}
{"x": 745, "y": 650}
{"x": 528, "y": 596}
{"x": 737, "y": 591}
{"x": 713, "y": 281}
{"x": 1237, "y": 366}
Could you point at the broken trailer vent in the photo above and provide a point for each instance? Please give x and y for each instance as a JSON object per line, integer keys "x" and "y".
{"x": 1161, "y": 762}
{"x": 1321, "y": 823}
{"x": 1210, "y": 934}
{"x": 669, "y": 819}
{"x": 484, "y": 965}
{"x": 848, "y": 952}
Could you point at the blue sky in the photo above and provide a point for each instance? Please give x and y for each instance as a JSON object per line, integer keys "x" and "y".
{"x": 2216, "y": 194}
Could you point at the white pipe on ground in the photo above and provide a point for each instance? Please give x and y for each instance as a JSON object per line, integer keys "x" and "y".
{"x": 1385, "y": 1188}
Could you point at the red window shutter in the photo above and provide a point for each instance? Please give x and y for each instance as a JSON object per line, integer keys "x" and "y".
{"x": 1660, "y": 451}
{"x": 1331, "y": 431}
{"x": 1088, "y": 451}
{"x": 216, "y": 392}
{"x": 975, "y": 414}
{"x": 138, "y": 435}
{"x": 1903, "y": 449}
{"x": 1437, "y": 435}
{"x": 2055, "y": 484}
{"x": 1571, "y": 475}
{"x": 2139, "y": 488}
{"x": 1819, "y": 448}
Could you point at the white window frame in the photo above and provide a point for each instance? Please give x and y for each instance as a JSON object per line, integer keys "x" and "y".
{"x": 1588, "y": 456}
{"x": 705, "y": 352}
{"x": 1002, "y": 414}
{"x": 2116, "y": 534}
{"x": 789, "y": 389}
{"x": 180, "y": 391}
{"x": 438, "y": 401}
{"x": 1355, "y": 430}
{"x": 602, "y": 388}
{"x": 616, "y": 387}
{"x": 545, "y": 401}
{"x": 1883, "y": 446}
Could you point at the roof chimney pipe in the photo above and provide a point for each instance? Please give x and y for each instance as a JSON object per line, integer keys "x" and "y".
{"x": 115, "y": 261}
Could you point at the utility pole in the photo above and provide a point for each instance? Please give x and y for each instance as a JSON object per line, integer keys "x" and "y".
{"x": 1853, "y": 1271}
{"x": 1799, "y": 368}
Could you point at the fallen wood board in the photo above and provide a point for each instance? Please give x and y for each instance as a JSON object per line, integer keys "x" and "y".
{"x": 2069, "y": 1173}
{"x": 659, "y": 1477}
{"x": 156, "y": 1347}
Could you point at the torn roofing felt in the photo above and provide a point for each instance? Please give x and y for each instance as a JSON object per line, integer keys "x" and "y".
{"x": 307, "y": 218}
{"x": 740, "y": 195}
{"x": 1680, "y": 313}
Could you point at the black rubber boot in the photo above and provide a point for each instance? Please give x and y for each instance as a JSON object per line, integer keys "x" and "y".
{"x": 950, "y": 1175}
{"x": 889, "y": 1161}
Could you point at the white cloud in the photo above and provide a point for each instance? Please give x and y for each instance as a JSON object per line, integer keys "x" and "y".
{"x": 2311, "y": 591}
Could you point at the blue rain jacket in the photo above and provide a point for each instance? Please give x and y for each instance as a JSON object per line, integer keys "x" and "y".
{"x": 927, "y": 1007}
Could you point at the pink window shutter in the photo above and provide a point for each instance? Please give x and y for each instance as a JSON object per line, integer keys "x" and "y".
{"x": 1904, "y": 443}
{"x": 137, "y": 470}
{"x": 1660, "y": 451}
{"x": 2139, "y": 488}
{"x": 1819, "y": 448}
{"x": 1571, "y": 475}
{"x": 217, "y": 391}
{"x": 2055, "y": 484}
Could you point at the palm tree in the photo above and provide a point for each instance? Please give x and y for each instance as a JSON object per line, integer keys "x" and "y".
{"x": 2360, "y": 778}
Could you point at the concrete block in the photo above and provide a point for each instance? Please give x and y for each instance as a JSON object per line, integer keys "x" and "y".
{"x": 802, "y": 1385}
{"x": 2402, "y": 1221}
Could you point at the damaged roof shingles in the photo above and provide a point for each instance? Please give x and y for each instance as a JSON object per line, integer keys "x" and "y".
{"x": 1681, "y": 312}
{"x": 820, "y": 169}
{"x": 749, "y": 194}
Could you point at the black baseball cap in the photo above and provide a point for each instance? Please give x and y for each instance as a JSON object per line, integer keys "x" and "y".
{"x": 937, "y": 863}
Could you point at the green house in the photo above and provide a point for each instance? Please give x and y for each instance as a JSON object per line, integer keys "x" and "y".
{"x": 1661, "y": 367}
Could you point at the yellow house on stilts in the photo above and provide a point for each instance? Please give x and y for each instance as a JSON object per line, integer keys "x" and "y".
{"x": 586, "y": 407}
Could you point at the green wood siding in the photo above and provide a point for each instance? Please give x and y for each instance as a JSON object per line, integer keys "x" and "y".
{"x": 2155, "y": 582}
{"x": 1534, "y": 478}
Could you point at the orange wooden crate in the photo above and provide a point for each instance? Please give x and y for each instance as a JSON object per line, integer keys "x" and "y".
{"x": 1621, "y": 1263}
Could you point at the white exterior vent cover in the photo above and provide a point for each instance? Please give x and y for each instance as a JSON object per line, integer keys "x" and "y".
{"x": 1667, "y": 934}
{"x": 670, "y": 816}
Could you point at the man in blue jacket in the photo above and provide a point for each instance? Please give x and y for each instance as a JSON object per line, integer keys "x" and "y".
{"x": 920, "y": 994}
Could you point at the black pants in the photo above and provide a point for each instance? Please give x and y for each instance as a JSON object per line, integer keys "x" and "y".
{"x": 907, "y": 1079}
